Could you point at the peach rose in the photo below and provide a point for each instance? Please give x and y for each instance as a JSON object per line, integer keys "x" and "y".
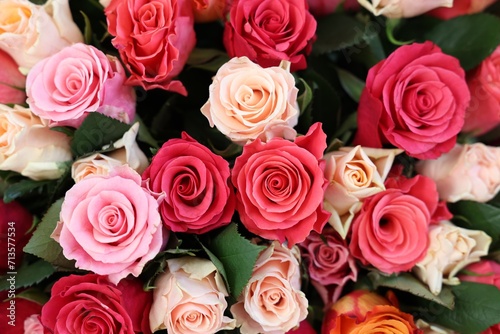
{"x": 467, "y": 172}
{"x": 126, "y": 151}
{"x": 29, "y": 147}
{"x": 403, "y": 8}
{"x": 272, "y": 301}
{"x": 451, "y": 249}
{"x": 30, "y": 33}
{"x": 353, "y": 174}
{"x": 190, "y": 298}
{"x": 247, "y": 101}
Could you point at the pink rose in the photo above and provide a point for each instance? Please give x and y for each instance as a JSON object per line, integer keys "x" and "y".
{"x": 84, "y": 304}
{"x": 270, "y": 31}
{"x": 461, "y": 7}
{"x": 272, "y": 301}
{"x": 110, "y": 225}
{"x": 467, "y": 172}
{"x": 32, "y": 325}
{"x": 280, "y": 186}
{"x": 403, "y": 8}
{"x": 189, "y": 297}
{"x": 415, "y": 100}
{"x": 391, "y": 230}
{"x": 12, "y": 82}
{"x": 483, "y": 113}
{"x": 77, "y": 80}
{"x": 154, "y": 39}
{"x": 137, "y": 302}
{"x": 325, "y": 7}
{"x": 329, "y": 263}
{"x": 192, "y": 184}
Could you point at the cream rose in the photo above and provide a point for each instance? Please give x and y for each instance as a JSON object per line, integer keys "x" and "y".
{"x": 126, "y": 151}
{"x": 272, "y": 301}
{"x": 354, "y": 173}
{"x": 30, "y": 33}
{"x": 431, "y": 328}
{"x": 28, "y": 146}
{"x": 247, "y": 101}
{"x": 190, "y": 298}
{"x": 467, "y": 172}
{"x": 403, "y": 8}
{"x": 451, "y": 249}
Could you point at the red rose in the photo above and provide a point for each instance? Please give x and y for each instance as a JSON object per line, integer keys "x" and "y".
{"x": 15, "y": 222}
{"x": 461, "y": 7}
{"x": 270, "y": 31}
{"x": 304, "y": 328}
{"x": 415, "y": 100}
{"x": 194, "y": 184}
{"x": 12, "y": 82}
{"x": 280, "y": 187}
{"x": 13, "y": 313}
{"x": 84, "y": 304}
{"x": 154, "y": 39}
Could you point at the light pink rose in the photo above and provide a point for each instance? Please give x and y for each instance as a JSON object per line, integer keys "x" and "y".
{"x": 12, "y": 82}
{"x": 483, "y": 113}
{"x": 272, "y": 301}
{"x": 110, "y": 225}
{"x": 467, "y": 172}
{"x": 30, "y": 33}
{"x": 329, "y": 263}
{"x": 189, "y": 297}
{"x": 403, "y": 8}
{"x": 77, "y": 80}
{"x": 247, "y": 101}
{"x": 32, "y": 325}
{"x": 154, "y": 38}
{"x": 28, "y": 146}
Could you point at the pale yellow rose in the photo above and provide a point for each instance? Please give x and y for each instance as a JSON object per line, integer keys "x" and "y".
{"x": 467, "y": 172}
{"x": 30, "y": 33}
{"x": 403, "y": 8}
{"x": 354, "y": 173}
{"x": 126, "y": 151}
{"x": 247, "y": 101}
{"x": 104, "y": 3}
{"x": 28, "y": 146}
{"x": 451, "y": 249}
{"x": 272, "y": 301}
{"x": 190, "y": 298}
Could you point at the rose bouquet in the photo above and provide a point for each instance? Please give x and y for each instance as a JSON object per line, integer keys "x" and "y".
{"x": 284, "y": 166}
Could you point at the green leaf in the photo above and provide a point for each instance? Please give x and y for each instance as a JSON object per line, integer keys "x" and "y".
{"x": 207, "y": 59}
{"x": 87, "y": 31}
{"x": 34, "y": 295}
{"x": 351, "y": 84}
{"x": 28, "y": 275}
{"x": 144, "y": 135}
{"x": 238, "y": 256}
{"x": 470, "y": 38}
{"x": 305, "y": 98}
{"x": 96, "y": 131}
{"x": 64, "y": 129}
{"x": 23, "y": 187}
{"x": 477, "y": 307}
{"x": 42, "y": 245}
{"x": 478, "y": 216}
{"x": 408, "y": 283}
{"x": 219, "y": 265}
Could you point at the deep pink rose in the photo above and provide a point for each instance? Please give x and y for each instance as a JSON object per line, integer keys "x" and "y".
{"x": 12, "y": 82}
{"x": 16, "y": 310}
{"x": 87, "y": 304}
{"x": 15, "y": 223}
{"x": 461, "y": 7}
{"x": 304, "y": 328}
{"x": 391, "y": 230}
{"x": 270, "y": 31}
{"x": 280, "y": 187}
{"x": 329, "y": 263}
{"x": 415, "y": 100}
{"x": 325, "y": 7}
{"x": 193, "y": 186}
{"x": 154, "y": 39}
{"x": 137, "y": 303}
{"x": 110, "y": 224}
{"x": 77, "y": 80}
{"x": 483, "y": 113}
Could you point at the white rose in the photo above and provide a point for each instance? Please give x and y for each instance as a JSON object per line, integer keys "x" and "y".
{"x": 403, "y": 8}
{"x": 28, "y": 146}
{"x": 451, "y": 249}
{"x": 30, "y": 33}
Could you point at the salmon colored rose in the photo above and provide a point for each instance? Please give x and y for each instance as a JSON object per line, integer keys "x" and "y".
{"x": 192, "y": 185}
{"x": 403, "y": 8}
{"x": 280, "y": 186}
{"x": 154, "y": 39}
{"x": 483, "y": 113}
{"x": 461, "y": 7}
{"x": 110, "y": 225}
{"x": 270, "y": 31}
{"x": 247, "y": 101}
{"x": 415, "y": 100}
{"x": 208, "y": 10}
{"x": 77, "y": 80}
{"x": 12, "y": 81}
